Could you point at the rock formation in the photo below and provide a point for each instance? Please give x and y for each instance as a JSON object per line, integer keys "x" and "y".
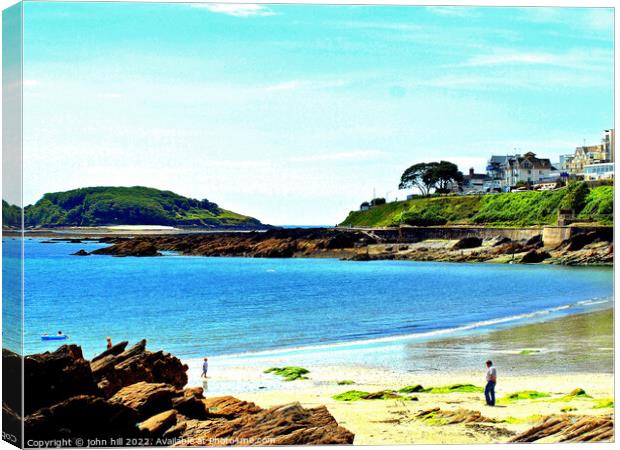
{"x": 135, "y": 397}
{"x": 567, "y": 428}
{"x": 592, "y": 247}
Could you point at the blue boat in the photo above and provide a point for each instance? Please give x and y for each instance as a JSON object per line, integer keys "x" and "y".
{"x": 54, "y": 337}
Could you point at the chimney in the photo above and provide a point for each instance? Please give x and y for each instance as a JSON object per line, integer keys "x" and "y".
{"x": 471, "y": 171}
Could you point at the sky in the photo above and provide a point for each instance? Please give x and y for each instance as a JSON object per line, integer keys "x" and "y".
{"x": 295, "y": 114}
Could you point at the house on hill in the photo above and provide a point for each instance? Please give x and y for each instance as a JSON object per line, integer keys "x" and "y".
{"x": 527, "y": 169}
{"x": 475, "y": 183}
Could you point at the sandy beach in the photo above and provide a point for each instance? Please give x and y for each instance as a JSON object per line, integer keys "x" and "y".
{"x": 552, "y": 357}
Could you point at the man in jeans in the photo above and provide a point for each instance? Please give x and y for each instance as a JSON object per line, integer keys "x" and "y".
{"x": 489, "y": 390}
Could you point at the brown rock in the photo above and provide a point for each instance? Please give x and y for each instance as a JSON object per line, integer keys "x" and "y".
{"x": 146, "y": 398}
{"x": 82, "y": 417}
{"x": 116, "y": 349}
{"x": 156, "y": 425}
{"x": 53, "y": 377}
{"x": 568, "y": 428}
{"x": 113, "y": 372}
{"x": 229, "y": 407}
{"x": 284, "y": 425}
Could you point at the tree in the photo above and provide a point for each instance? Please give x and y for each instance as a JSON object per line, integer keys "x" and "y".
{"x": 444, "y": 174}
{"x": 417, "y": 176}
{"x": 426, "y": 176}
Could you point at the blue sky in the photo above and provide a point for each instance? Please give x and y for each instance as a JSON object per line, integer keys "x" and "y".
{"x": 295, "y": 114}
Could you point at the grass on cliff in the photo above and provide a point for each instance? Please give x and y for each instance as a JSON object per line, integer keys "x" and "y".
{"x": 514, "y": 209}
{"x": 289, "y": 373}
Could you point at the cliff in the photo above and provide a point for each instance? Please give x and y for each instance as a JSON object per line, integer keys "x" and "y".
{"x": 103, "y": 206}
{"x": 134, "y": 397}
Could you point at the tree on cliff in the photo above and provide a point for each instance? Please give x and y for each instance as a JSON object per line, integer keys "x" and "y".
{"x": 428, "y": 176}
{"x": 416, "y": 176}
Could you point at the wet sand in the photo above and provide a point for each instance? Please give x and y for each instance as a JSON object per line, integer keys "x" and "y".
{"x": 554, "y": 357}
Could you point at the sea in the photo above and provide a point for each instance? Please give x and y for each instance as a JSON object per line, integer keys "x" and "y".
{"x": 219, "y": 306}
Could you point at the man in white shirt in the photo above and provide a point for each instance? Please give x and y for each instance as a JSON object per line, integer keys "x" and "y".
{"x": 489, "y": 390}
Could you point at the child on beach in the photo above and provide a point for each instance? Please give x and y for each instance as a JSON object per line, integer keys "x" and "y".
{"x": 205, "y": 368}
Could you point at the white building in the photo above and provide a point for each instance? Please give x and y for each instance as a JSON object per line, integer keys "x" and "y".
{"x": 600, "y": 171}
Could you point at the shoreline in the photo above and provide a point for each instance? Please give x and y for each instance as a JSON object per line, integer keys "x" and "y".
{"x": 529, "y": 357}
{"x": 546, "y": 339}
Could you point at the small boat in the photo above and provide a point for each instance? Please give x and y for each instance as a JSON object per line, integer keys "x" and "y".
{"x": 54, "y": 337}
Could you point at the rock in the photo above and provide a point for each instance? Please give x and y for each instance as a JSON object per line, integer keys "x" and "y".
{"x": 82, "y": 417}
{"x": 568, "y": 428}
{"x": 146, "y": 409}
{"x": 229, "y": 407}
{"x": 12, "y": 374}
{"x": 467, "y": 242}
{"x": 146, "y": 398}
{"x": 81, "y": 252}
{"x": 53, "y": 377}
{"x": 156, "y": 425}
{"x": 174, "y": 431}
{"x": 500, "y": 240}
{"x": 113, "y": 351}
{"x": 534, "y": 256}
{"x": 190, "y": 406}
{"x": 535, "y": 241}
{"x": 113, "y": 372}
{"x": 283, "y": 425}
{"x": 137, "y": 247}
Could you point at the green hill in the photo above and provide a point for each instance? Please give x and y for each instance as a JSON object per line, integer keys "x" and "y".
{"x": 508, "y": 209}
{"x": 101, "y": 206}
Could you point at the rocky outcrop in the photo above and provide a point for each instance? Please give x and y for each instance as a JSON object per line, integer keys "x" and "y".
{"x": 54, "y": 376}
{"x": 568, "y": 428}
{"x": 269, "y": 244}
{"x": 134, "y": 397}
{"x": 114, "y": 370}
{"x": 592, "y": 247}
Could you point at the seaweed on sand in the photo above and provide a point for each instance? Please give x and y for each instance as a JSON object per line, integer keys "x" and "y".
{"x": 289, "y": 373}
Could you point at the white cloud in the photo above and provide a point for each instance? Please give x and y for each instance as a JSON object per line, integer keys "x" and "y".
{"x": 31, "y": 83}
{"x": 361, "y": 154}
{"x": 237, "y": 9}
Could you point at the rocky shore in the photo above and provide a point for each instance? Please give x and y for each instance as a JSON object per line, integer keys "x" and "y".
{"x": 135, "y": 397}
{"x": 588, "y": 247}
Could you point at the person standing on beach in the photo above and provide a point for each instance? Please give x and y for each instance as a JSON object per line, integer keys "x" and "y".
{"x": 489, "y": 390}
{"x": 205, "y": 368}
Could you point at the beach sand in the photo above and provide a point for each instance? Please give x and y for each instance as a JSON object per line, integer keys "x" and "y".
{"x": 554, "y": 357}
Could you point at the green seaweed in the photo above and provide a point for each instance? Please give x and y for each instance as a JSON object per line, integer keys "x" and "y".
{"x": 411, "y": 389}
{"x": 528, "y": 351}
{"x": 575, "y": 394}
{"x": 520, "y": 420}
{"x": 568, "y": 409}
{"x": 289, "y": 373}
{"x": 604, "y": 403}
{"x": 345, "y": 382}
{"x": 453, "y": 388}
{"x": 523, "y": 395}
{"x": 350, "y": 396}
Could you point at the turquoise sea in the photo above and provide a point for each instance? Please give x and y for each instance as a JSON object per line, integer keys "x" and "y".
{"x": 195, "y": 306}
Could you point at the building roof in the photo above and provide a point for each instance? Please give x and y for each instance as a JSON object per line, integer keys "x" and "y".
{"x": 530, "y": 161}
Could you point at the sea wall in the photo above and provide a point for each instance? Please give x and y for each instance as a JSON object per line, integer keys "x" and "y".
{"x": 416, "y": 234}
{"x": 552, "y": 236}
